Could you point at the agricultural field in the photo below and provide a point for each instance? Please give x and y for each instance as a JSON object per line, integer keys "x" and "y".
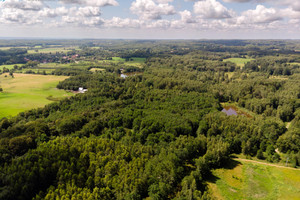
{"x": 25, "y": 71}
{"x": 247, "y": 179}
{"x": 136, "y": 62}
{"x": 239, "y": 61}
{"x": 96, "y": 69}
{"x": 53, "y": 65}
{"x": 51, "y": 50}
{"x": 26, "y": 91}
{"x": 294, "y": 63}
{"x": 7, "y": 48}
{"x": 7, "y": 66}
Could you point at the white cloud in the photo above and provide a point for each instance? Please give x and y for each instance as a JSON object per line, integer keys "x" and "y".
{"x": 163, "y": 1}
{"x": 95, "y": 3}
{"x": 92, "y": 21}
{"x": 89, "y": 11}
{"x": 295, "y": 4}
{"x": 290, "y": 13}
{"x": 117, "y": 22}
{"x": 83, "y": 21}
{"x": 18, "y": 16}
{"x": 149, "y": 10}
{"x": 23, "y": 5}
{"x": 237, "y": 1}
{"x": 51, "y": 13}
{"x": 260, "y": 15}
{"x": 212, "y": 9}
{"x": 186, "y": 16}
{"x": 161, "y": 24}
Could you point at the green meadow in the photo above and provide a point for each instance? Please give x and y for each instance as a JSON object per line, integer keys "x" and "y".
{"x": 250, "y": 180}
{"x": 27, "y": 91}
{"x": 50, "y": 50}
{"x": 134, "y": 61}
{"x": 97, "y": 69}
{"x": 239, "y": 61}
{"x": 8, "y": 66}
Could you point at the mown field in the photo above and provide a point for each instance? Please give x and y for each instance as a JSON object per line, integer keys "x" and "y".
{"x": 239, "y": 61}
{"x": 136, "y": 62}
{"x": 7, "y": 66}
{"x": 27, "y": 91}
{"x": 250, "y": 180}
{"x": 51, "y": 50}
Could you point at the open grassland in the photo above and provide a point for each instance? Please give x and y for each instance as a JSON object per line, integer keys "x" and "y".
{"x": 97, "y": 69}
{"x": 251, "y": 180}
{"x": 80, "y": 65}
{"x": 27, "y": 91}
{"x": 51, "y": 50}
{"x": 238, "y": 61}
{"x": 136, "y": 62}
{"x": 294, "y": 63}
{"x": 7, "y": 48}
{"x": 53, "y": 65}
{"x": 37, "y": 71}
{"x": 8, "y": 66}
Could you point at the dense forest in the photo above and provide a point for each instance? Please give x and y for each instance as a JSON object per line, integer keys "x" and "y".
{"x": 158, "y": 133}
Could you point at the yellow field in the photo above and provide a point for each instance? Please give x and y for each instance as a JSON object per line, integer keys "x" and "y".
{"x": 27, "y": 91}
{"x": 252, "y": 180}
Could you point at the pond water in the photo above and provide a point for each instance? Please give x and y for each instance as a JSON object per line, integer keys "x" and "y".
{"x": 232, "y": 110}
{"x": 125, "y": 75}
{"x": 229, "y": 111}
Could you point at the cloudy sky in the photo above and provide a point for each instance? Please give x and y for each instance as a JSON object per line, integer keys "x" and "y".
{"x": 151, "y": 19}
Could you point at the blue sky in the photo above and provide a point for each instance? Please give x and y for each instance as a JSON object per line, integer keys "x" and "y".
{"x": 151, "y": 19}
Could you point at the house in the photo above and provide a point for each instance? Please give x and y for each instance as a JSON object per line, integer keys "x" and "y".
{"x": 81, "y": 90}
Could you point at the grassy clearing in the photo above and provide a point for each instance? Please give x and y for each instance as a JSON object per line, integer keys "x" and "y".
{"x": 279, "y": 77}
{"x": 119, "y": 59}
{"x": 294, "y": 63}
{"x": 239, "y": 61}
{"x": 7, "y": 48}
{"x": 247, "y": 180}
{"x": 53, "y": 65}
{"x": 47, "y": 71}
{"x": 134, "y": 61}
{"x": 96, "y": 69}
{"x": 27, "y": 91}
{"x": 8, "y": 66}
{"x": 51, "y": 50}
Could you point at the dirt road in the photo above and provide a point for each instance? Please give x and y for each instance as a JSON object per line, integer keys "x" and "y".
{"x": 253, "y": 161}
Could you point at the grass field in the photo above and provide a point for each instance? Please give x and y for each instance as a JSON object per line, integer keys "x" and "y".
{"x": 134, "y": 61}
{"x": 8, "y": 66}
{"x": 48, "y": 71}
{"x": 119, "y": 59}
{"x": 27, "y": 91}
{"x": 294, "y": 63}
{"x": 50, "y": 50}
{"x": 250, "y": 180}
{"x": 239, "y": 61}
{"x": 96, "y": 69}
{"x": 7, "y": 48}
{"x": 53, "y": 65}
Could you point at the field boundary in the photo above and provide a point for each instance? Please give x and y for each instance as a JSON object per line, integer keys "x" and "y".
{"x": 269, "y": 164}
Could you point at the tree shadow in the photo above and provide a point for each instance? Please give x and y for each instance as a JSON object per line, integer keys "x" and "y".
{"x": 212, "y": 178}
{"x": 231, "y": 164}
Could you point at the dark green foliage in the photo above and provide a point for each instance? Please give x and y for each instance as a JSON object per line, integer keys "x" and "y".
{"x": 154, "y": 135}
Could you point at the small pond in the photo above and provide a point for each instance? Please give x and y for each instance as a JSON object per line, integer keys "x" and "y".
{"x": 125, "y": 75}
{"x": 229, "y": 111}
{"x": 232, "y": 110}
